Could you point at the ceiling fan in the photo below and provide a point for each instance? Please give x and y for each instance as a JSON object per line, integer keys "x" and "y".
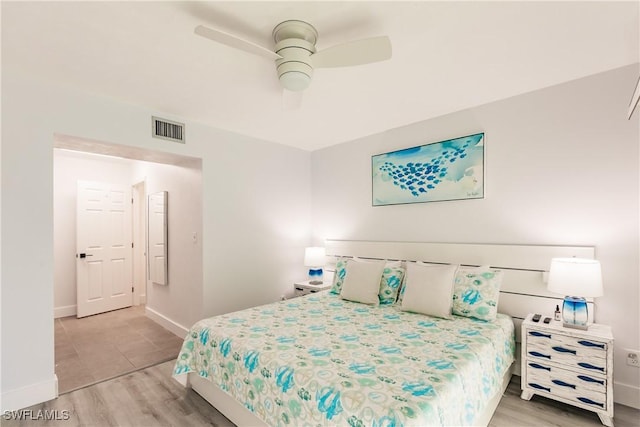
{"x": 295, "y": 51}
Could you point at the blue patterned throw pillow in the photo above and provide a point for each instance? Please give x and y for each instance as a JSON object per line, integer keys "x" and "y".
{"x": 390, "y": 284}
{"x": 476, "y": 292}
{"x": 339, "y": 275}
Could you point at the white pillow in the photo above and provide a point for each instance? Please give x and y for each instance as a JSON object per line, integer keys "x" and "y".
{"x": 362, "y": 281}
{"x": 429, "y": 289}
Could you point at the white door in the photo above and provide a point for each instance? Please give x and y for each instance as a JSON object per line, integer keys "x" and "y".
{"x": 157, "y": 236}
{"x": 104, "y": 253}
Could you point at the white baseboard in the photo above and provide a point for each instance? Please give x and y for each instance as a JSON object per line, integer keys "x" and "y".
{"x": 33, "y": 394}
{"x": 626, "y": 394}
{"x": 166, "y": 323}
{"x": 65, "y": 311}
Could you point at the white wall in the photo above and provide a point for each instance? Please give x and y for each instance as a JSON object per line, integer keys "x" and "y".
{"x": 177, "y": 300}
{"x": 255, "y": 216}
{"x": 561, "y": 168}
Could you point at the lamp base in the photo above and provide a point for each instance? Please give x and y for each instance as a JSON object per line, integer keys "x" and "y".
{"x": 574, "y": 313}
{"x": 573, "y": 326}
{"x": 315, "y": 276}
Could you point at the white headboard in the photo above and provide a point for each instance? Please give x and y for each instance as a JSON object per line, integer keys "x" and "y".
{"x": 523, "y": 289}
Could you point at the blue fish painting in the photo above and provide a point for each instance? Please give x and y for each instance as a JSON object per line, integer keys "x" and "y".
{"x": 445, "y": 170}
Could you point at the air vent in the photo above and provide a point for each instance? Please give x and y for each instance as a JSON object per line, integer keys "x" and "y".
{"x": 166, "y": 129}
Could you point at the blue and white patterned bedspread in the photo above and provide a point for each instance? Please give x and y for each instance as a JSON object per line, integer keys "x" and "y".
{"x": 320, "y": 360}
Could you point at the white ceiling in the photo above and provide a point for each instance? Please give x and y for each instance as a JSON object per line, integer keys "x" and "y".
{"x": 447, "y": 56}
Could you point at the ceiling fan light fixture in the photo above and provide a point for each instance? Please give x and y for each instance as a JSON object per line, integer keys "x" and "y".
{"x": 295, "y": 52}
{"x": 295, "y": 80}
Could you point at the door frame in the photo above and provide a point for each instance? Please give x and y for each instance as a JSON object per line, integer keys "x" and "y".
{"x": 139, "y": 211}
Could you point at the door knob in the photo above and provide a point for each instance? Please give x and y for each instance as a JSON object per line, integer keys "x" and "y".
{"x": 84, "y": 255}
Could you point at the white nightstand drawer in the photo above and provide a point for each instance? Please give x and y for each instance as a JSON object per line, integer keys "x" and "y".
{"x": 564, "y": 390}
{"x": 585, "y": 347}
{"x": 549, "y": 374}
{"x": 574, "y": 352}
{"x": 306, "y": 288}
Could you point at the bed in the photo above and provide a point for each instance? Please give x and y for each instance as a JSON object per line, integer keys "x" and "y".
{"x": 323, "y": 360}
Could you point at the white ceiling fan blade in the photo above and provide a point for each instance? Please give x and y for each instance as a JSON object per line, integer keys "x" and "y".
{"x": 235, "y": 42}
{"x": 291, "y": 100}
{"x": 356, "y": 52}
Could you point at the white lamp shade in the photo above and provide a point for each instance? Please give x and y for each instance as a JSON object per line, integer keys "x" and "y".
{"x": 575, "y": 277}
{"x": 315, "y": 256}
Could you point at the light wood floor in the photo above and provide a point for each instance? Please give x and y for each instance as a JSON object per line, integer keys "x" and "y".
{"x": 150, "y": 397}
{"x": 107, "y": 345}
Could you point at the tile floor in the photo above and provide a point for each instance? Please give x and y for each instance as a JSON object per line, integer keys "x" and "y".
{"x": 96, "y": 348}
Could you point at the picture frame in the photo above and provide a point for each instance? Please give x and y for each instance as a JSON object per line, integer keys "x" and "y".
{"x": 447, "y": 170}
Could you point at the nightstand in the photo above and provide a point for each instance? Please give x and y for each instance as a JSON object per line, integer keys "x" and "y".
{"x": 569, "y": 365}
{"x": 304, "y": 288}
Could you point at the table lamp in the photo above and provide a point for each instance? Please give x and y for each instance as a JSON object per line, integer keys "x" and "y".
{"x": 576, "y": 278}
{"x": 315, "y": 259}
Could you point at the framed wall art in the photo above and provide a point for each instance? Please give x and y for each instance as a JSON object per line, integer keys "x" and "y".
{"x": 445, "y": 170}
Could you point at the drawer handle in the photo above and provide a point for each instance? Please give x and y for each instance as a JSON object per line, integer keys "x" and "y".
{"x": 591, "y": 380}
{"x": 539, "y": 334}
{"x": 590, "y": 402}
{"x": 563, "y": 350}
{"x": 590, "y": 366}
{"x": 536, "y": 354}
{"x": 563, "y": 384}
{"x": 591, "y": 344}
{"x": 540, "y": 387}
{"x": 535, "y": 365}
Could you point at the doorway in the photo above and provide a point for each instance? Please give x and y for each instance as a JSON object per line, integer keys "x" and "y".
{"x": 90, "y": 343}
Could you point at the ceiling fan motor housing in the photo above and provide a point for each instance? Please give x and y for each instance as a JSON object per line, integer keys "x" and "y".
{"x": 295, "y": 42}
